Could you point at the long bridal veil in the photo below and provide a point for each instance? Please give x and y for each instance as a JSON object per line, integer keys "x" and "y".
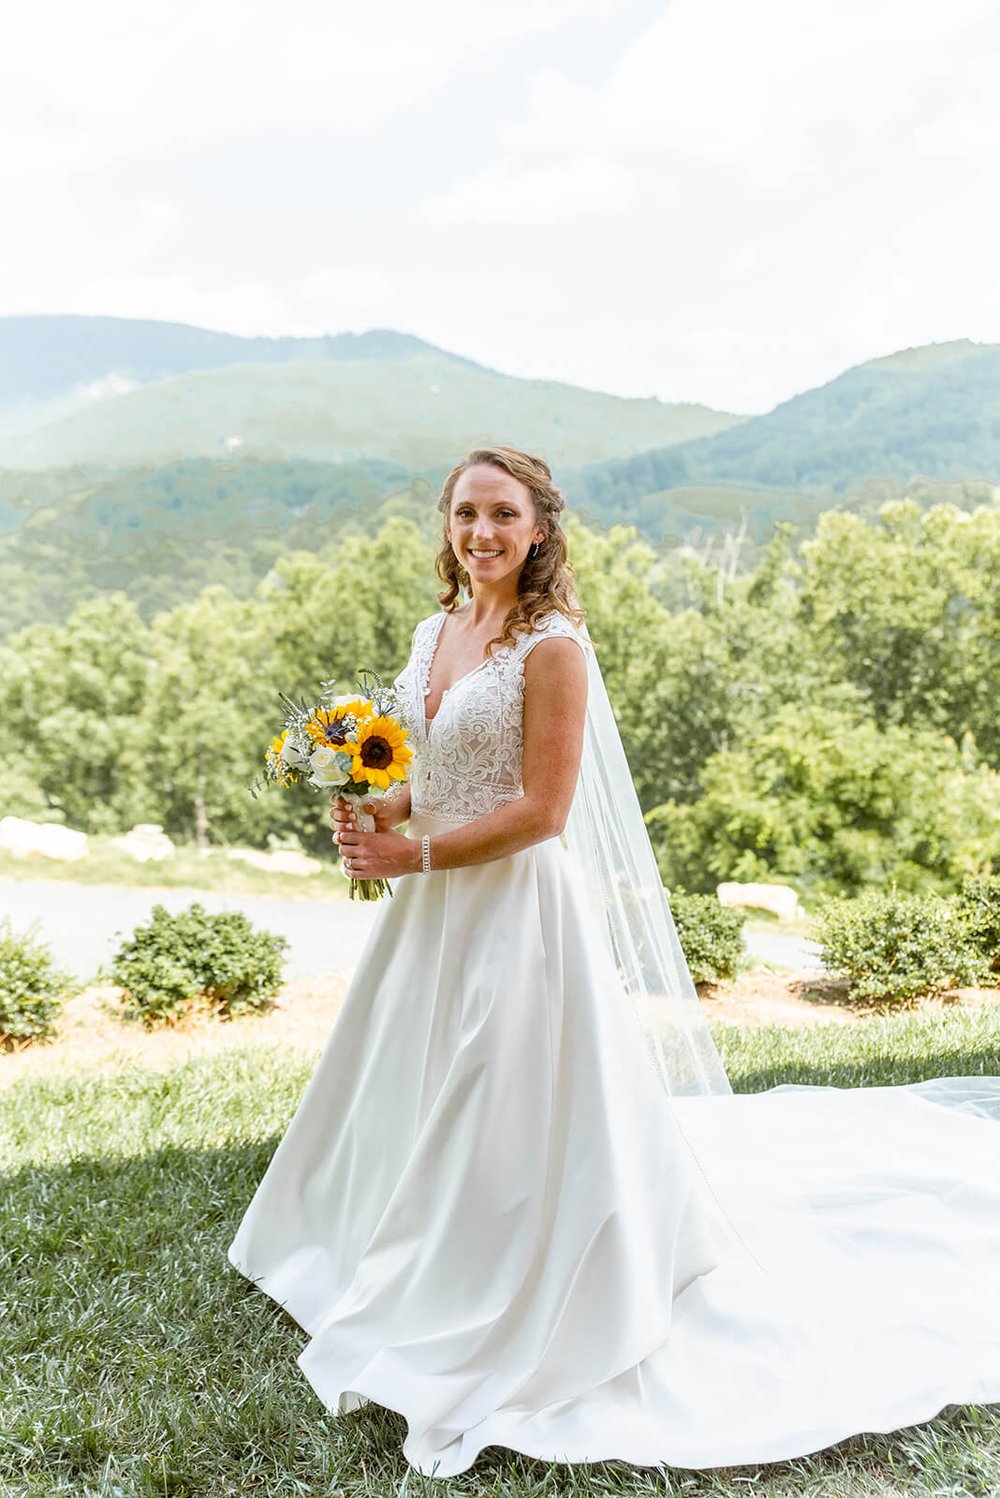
{"x": 609, "y": 846}
{"x": 607, "y": 839}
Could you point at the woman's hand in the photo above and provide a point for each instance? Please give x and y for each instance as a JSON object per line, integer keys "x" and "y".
{"x": 384, "y": 810}
{"x": 382, "y": 854}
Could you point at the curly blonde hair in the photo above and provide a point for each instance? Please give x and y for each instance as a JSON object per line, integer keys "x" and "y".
{"x": 547, "y": 580}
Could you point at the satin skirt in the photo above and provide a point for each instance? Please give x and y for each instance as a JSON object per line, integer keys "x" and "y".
{"x": 487, "y": 1215}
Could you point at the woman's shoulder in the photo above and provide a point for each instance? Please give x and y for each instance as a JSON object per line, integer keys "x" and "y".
{"x": 553, "y": 622}
{"x": 552, "y": 625}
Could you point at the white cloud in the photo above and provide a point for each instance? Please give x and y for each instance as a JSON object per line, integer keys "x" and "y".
{"x": 719, "y": 82}
{"x": 30, "y": 151}
{"x": 91, "y": 83}
{"x": 723, "y": 342}
{"x": 157, "y": 215}
{"x": 106, "y": 387}
{"x": 792, "y": 199}
{"x": 346, "y": 287}
{"x": 243, "y": 306}
{"x": 510, "y": 194}
{"x": 702, "y": 199}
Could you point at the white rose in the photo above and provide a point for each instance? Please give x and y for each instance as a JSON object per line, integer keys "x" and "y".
{"x": 290, "y": 754}
{"x": 329, "y": 767}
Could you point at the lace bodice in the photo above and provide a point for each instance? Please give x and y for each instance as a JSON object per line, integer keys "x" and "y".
{"x": 467, "y": 760}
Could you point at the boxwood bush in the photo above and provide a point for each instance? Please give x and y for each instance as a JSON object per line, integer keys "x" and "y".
{"x": 898, "y": 947}
{"x": 979, "y": 902}
{"x": 32, "y": 988}
{"x": 711, "y": 935}
{"x": 176, "y": 961}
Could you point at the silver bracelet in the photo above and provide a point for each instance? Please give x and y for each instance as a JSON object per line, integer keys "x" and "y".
{"x": 425, "y": 853}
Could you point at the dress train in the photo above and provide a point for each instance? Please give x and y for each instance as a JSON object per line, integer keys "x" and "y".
{"x": 487, "y": 1217}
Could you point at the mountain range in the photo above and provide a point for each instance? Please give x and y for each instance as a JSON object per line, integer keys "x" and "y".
{"x": 155, "y": 456}
{"x": 107, "y": 392}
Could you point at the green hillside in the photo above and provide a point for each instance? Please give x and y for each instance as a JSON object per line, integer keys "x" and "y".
{"x": 923, "y": 413}
{"x": 161, "y": 534}
{"x": 323, "y": 448}
{"x": 419, "y": 411}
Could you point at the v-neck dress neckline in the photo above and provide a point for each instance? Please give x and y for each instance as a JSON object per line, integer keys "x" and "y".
{"x": 429, "y": 722}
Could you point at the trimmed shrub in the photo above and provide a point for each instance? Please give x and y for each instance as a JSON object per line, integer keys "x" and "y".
{"x": 178, "y": 960}
{"x": 979, "y": 902}
{"x": 897, "y": 947}
{"x": 710, "y": 934}
{"x": 32, "y": 988}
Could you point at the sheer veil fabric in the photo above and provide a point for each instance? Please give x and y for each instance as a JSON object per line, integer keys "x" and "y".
{"x": 520, "y": 1203}
{"x": 607, "y": 838}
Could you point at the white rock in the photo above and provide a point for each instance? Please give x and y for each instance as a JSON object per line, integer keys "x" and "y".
{"x": 288, "y": 862}
{"x": 782, "y": 899}
{"x": 146, "y": 841}
{"x": 49, "y": 839}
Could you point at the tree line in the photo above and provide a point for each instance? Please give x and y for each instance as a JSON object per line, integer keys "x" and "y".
{"x": 827, "y": 717}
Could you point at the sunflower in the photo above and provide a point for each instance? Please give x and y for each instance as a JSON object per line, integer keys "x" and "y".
{"x": 326, "y": 725}
{"x": 379, "y": 753}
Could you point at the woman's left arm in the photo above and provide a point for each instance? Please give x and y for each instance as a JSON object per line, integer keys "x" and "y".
{"x": 555, "y": 704}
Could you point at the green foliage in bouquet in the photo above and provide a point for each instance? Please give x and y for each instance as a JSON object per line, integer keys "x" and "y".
{"x": 896, "y": 947}
{"x": 710, "y": 934}
{"x": 176, "y": 960}
{"x": 32, "y": 988}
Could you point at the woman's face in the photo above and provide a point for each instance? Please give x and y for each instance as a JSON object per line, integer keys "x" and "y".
{"x": 491, "y": 523}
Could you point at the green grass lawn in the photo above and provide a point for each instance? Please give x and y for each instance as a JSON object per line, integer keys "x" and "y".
{"x": 188, "y": 868}
{"x": 134, "y": 1360}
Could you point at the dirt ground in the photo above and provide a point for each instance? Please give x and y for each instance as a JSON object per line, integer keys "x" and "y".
{"x": 93, "y": 1034}
{"x": 765, "y": 998}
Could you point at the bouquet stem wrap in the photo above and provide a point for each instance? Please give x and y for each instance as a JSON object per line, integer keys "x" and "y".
{"x": 364, "y": 889}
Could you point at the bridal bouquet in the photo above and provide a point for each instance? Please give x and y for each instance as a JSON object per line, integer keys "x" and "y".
{"x": 353, "y": 745}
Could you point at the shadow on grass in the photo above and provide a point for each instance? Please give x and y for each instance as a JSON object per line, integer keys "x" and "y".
{"x": 138, "y": 1356}
{"x": 137, "y": 1360}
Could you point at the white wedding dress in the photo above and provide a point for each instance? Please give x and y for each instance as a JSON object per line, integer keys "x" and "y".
{"x": 485, "y": 1215}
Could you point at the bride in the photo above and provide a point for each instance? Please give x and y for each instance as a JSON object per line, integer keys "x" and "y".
{"x": 519, "y": 1202}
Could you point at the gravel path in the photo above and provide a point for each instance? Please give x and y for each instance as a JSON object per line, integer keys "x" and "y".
{"x": 793, "y": 954}
{"x": 85, "y": 922}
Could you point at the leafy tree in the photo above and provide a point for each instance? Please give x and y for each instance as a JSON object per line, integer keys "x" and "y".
{"x": 203, "y": 728}
{"x": 908, "y": 610}
{"x": 220, "y": 664}
{"x": 355, "y": 606}
{"x": 698, "y": 681}
{"x": 70, "y": 699}
{"x": 827, "y": 800}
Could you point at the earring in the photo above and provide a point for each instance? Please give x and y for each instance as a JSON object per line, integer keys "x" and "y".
{"x": 533, "y": 550}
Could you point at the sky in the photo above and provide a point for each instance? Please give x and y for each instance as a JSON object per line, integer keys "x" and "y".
{"x": 705, "y": 200}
